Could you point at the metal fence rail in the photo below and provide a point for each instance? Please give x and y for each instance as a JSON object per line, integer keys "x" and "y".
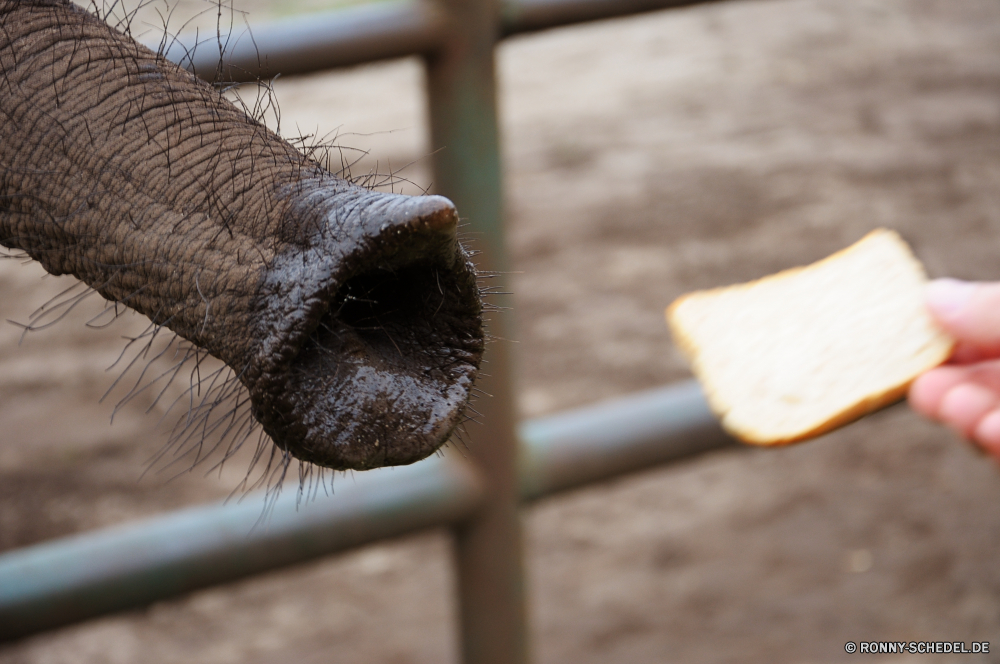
{"x": 76, "y": 578}
{"x": 102, "y": 571}
{"x": 56, "y": 583}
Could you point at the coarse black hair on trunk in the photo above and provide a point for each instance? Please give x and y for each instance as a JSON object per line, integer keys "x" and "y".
{"x": 361, "y": 333}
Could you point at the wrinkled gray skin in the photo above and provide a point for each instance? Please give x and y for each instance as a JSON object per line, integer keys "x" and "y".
{"x": 352, "y": 317}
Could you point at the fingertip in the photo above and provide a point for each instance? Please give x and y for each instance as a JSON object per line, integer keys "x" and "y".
{"x": 964, "y": 406}
{"x": 929, "y": 389}
{"x": 947, "y": 298}
{"x": 969, "y": 311}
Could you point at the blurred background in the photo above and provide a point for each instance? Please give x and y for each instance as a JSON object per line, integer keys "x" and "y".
{"x": 644, "y": 157}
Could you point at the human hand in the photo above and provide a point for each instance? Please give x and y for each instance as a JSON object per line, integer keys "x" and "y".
{"x": 965, "y": 392}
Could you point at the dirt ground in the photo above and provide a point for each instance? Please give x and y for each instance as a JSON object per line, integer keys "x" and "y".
{"x": 644, "y": 158}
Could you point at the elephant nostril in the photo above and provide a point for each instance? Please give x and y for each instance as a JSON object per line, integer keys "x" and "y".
{"x": 384, "y": 377}
{"x": 408, "y": 319}
{"x": 383, "y": 309}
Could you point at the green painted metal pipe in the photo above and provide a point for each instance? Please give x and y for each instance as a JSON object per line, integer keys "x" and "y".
{"x": 533, "y": 15}
{"x": 72, "y": 579}
{"x": 645, "y": 429}
{"x": 465, "y": 142}
{"x": 313, "y": 42}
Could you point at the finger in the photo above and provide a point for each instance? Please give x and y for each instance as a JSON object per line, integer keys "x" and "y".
{"x": 965, "y": 405}
{"x": 966, "y": 353}
{"x": 986, "y": 374}
{"x": 928, "y": 389}
{"x": 987, "y": 433}
{"x": 969, "y": 311}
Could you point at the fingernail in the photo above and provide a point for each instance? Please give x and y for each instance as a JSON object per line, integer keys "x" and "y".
{"x": 947, "y": 297}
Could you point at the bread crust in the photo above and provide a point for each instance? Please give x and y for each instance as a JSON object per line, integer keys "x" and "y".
{"x": 874, "y": 401}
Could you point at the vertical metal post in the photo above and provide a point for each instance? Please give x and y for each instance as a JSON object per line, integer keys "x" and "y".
{"x": 463, "y": 114}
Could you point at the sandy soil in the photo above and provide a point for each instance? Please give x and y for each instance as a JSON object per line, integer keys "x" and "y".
{"x": 644, "y": 157}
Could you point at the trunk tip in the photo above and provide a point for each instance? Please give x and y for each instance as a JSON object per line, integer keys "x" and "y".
{"x": 430, "y": 213}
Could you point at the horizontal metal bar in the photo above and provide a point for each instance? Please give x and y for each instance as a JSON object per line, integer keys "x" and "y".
{"x": 76, "y": 578}
{"x": 599, "y": 442}
{"x": 313, "y": 42}
{"x": 72, "y": 579}
{"x": 533, "y": 15}
{"x": 342, "y": 38}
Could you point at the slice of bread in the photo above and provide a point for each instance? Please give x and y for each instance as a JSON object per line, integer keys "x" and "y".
{"x": 804, "y": 351}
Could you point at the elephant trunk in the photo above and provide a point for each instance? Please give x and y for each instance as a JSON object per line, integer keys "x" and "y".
{"x": 352, "y": 317}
